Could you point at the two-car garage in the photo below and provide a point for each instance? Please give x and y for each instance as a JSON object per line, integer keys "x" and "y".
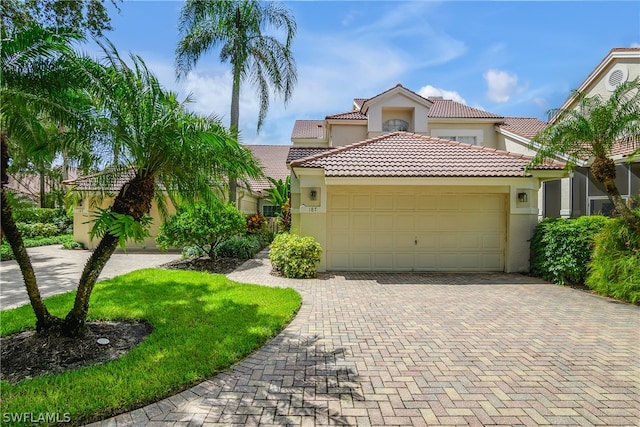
{"x": 415, "y": 228}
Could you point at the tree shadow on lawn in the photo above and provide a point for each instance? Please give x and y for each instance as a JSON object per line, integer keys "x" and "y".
{"x": 200, "y": 327}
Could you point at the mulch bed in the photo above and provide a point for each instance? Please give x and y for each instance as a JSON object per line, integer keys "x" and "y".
{"x": 27, "y": 354}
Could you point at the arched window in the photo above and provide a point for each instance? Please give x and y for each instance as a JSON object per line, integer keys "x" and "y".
{"x": 395, "y": 125}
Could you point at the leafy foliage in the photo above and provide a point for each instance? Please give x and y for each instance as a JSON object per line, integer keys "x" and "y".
{"x": 284, "y": 218}
{"x": 83, "y": 15}
{"x": 294, "y": 256}
{"x": 6, "y": 252}
{"x": 61, "y": 218}
{"x": 279, "y": 191}
{"x": 37, "y": 229}
{"x": 241, "y": 247}
{"x": 202, "y": 225}
{"x": 124, "y": 227}
{"x": 615, "y": 266}
{"x": 561, "y": 248}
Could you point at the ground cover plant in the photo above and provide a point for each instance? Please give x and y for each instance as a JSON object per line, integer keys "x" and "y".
{"x": 66, "y": 240}
{"x": 201, "y": 324}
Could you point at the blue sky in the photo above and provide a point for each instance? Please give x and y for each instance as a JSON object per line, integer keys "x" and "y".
{"x": 511, "y": 58}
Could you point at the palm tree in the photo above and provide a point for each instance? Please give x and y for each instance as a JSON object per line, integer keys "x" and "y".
{"x": 236, "y": 27}
{"x": 38, "y": 87}
{"x": 590, "y": 131}
{"x": 163, "y": 148}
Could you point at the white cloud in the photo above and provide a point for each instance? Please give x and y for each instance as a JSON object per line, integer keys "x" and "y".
{"x": 502, "y": 85}
{"x": 635, "y": 45}
{"x": 429, "y": 90}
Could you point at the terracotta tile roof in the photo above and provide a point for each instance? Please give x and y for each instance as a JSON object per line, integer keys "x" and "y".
{"x": 273, "y": 159}
{"x": 297, "y": 153}
{"x": 403, "y": 154}
{"x": 308, "y": 129}
{"x": 357, "y": 102}
{"x": 100, "y": 181}
{"x": 626, "y": 147}
{"x": 349, "y": 115}
{"x": 449, "y": 109}
{"x": 527, "y": 127}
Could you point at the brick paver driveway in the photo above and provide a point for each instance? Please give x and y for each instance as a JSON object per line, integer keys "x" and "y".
{"x": 426, "y": 349}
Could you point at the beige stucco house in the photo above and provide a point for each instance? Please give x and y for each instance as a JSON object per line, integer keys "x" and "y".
{"x": 406, "y": 183}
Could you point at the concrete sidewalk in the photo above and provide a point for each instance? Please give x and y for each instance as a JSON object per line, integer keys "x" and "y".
{"x": 58, "y": 270}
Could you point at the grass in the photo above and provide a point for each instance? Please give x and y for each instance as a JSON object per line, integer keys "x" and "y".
{"x": 202, "y": 324}
{"x": 65, "y": 239}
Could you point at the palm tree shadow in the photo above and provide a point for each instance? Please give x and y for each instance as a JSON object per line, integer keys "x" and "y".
{"x": 290, "y": 379}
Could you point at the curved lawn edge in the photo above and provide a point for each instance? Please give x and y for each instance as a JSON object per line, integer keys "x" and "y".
{"x": 202, "y": 325}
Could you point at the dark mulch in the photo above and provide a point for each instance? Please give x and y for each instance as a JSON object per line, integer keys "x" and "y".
{"x": 27, "y": 354}
{"x": 219, "y": 265}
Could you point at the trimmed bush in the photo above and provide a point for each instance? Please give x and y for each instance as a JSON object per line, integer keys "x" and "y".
{"x": 61, "y": 218}
{"x": 295, "y": 257}
{"x": 202, "y": 225}
{"x": 37, "y": 229}
{"x": 614, "y": 270}
{"x": 561, "y": 248}
{"x": 244, "y": 247}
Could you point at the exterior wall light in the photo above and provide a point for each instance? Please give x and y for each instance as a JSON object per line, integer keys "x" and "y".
{"x": 522, "y": 197}
{"x": 313, "y": 195}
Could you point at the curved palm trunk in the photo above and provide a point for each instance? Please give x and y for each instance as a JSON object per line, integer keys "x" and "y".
{"x": 44, "y": 320}
{"x": 133, "y": 199}
{"x": 604, "y": 170}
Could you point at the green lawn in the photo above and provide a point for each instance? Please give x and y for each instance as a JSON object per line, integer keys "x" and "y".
{"x": 202, "y": 324}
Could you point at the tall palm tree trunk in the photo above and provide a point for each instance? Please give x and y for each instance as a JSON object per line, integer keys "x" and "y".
{"x": 234, "y": 126}
{"x": 44, "y": 320}
{"x": 604, "y": 171}
{"x": 134, "y": 199}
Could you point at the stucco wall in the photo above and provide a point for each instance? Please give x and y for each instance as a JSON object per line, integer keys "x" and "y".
{"x": 83, "y": 215}
{"x": 347, "y": 134}
{"x": 485, "y": 132}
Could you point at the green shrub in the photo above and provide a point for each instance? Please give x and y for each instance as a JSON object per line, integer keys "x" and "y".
{"x": 202, "y": 225}
{"x": 72, "y": 244}
{"x": 561, "y": 248}
{"x": 242, "y": 247}
{"x": 6, "y": 253}
{"x": 61, "y": 218}
{"x": 614, "y": 270}
{"x": 192, "y": 251}
{"x": 294, "y": 256}
{"x": 37, "y": 229}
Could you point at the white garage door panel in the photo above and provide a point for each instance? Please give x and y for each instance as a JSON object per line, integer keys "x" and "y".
{"x": 417, "y": 230}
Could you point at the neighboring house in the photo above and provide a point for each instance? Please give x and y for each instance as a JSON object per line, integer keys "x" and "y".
{"x": 580, "y": 194}
{"x": 31, "y": 185}
{"x": 406, "y": 183}
{"x": 252, "y": 196}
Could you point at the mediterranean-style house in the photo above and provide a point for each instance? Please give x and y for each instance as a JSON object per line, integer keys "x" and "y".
{"x": 401, "y": 182}
{"x": 406, "y": 183}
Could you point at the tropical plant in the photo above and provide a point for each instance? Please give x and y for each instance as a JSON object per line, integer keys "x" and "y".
{"x": 590, "y": 130}
{"x": 164, "y": 148}
{"x": 279, "y": 191}
{"x": 39, "y": 85}
{"x": 205, "y": 225}
{"x": 295, "y": 257}
{"x": 237, "y": 28}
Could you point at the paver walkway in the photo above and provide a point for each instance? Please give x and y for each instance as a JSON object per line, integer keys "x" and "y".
{"x": 425, "y": 349}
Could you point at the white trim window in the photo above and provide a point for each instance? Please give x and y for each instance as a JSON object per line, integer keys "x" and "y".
{"x": 395, "y": 125}
{"x": 463, "y": 139}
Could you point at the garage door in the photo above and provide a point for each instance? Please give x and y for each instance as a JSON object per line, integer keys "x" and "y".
{"x": 414, "y": 229}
